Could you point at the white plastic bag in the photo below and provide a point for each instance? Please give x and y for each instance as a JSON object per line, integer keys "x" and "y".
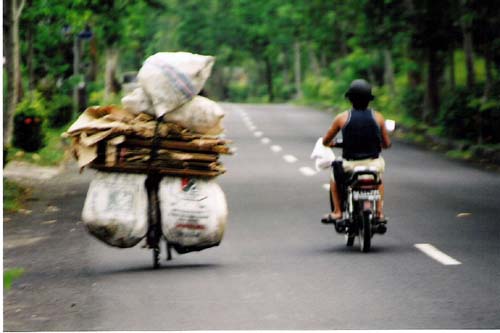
{"x": 322, "y": 155}
{"x": 115, "y": 210}
{"x": 200, "y": 115}
{"x": 170, "y": 79}
{"x": 193, "y": 213}
{"x": 137, "y": 102}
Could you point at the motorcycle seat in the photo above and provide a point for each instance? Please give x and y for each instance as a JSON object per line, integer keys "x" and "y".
{"x": 363, "y": 177}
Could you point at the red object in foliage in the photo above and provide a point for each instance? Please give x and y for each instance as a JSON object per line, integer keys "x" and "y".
{"x": 28, "y": 121}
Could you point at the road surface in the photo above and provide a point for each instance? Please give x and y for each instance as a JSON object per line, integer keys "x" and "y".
{"x": 278, "y": 267}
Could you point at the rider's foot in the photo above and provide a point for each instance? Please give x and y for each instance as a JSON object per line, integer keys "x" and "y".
{"x": 381, "y": 218}
{"x": 331, "y": 218}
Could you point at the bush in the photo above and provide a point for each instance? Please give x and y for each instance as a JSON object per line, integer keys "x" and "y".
{"x": 412, "y": 101}
{"x": 60, "y": 111}
{"x": 238, "y": 92}
{"x": 28, "y": 120}
{"x": 457, "y": 115}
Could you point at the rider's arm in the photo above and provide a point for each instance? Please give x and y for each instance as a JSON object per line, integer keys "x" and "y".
{"x": 386, "y": 140}
{"x": 332, "y": 132}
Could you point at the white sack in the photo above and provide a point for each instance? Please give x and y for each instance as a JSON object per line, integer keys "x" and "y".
{"x": 115, "y": 210}
{"x": 137, "y": 102}
{"x": 322, "y": 155}
{"x": 170, "y": 79}
{"x": 193, "y": 213}
{"x": 200, "y": 115}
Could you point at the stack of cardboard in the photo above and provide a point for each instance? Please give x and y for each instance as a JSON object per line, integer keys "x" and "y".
{"x": 113, "y": 139}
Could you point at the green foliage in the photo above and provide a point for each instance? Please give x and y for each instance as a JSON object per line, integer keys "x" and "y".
{"x": 52, "y": 153}
{"x": 60, "y": 111}
{"x": 412, "y": 99}
{"x": 254, "y": 44}
{"x": 13, "y": 196}
{"x": 9, "y": 275}
{"x": 28, "y": 120}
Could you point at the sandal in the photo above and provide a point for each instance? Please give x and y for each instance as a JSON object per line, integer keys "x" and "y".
{"x": 329, "y": 219}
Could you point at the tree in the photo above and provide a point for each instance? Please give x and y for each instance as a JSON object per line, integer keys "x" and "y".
{"x": 12, "y": 16}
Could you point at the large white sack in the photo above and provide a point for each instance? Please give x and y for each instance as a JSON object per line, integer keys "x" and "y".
{"x": 193, "y": 213}
{"x": 115, "y": 210}
{"x": 137, "y": 102}
{"x": 170, "y": 79}
{"x": 201, "y": 115}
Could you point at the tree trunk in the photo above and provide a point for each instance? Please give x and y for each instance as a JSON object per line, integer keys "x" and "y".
{"x": 313, "y": 60}
{"x": 389, "y": 72}
{"x": 469, "y": 52}
{"x": 30, "y": 60}
{"x": 12, "y": 14}
{"x": 489, "y": 71}
{"x": 432, "y": 98}
{"x": 286, "y": 68}
{"x": 297, "y": 69}
{"x": 451, "y": 78}
{"x": 269, "y": 78}
{"x": 112, "y": 86}
{"x": 94, "y": 59}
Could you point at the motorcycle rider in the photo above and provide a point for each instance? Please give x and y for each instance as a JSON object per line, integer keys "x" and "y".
{"x": 364, "y": 135}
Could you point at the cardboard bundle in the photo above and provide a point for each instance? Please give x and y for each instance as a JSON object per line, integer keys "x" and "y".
{"x": 113, "y": 139}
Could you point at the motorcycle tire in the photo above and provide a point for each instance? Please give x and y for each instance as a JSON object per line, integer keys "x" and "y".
{"x": 365, "y": 231}
{"x": 349, "y": 239}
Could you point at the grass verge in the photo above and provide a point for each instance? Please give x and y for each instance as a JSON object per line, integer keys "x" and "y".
{"x": 10, "y": 275}
{"x": 13, "y": 196}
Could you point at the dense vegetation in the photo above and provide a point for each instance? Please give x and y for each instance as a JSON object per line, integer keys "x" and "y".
{"x": 434, "y": 63}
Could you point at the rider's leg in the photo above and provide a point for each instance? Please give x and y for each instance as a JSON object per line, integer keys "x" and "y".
{"x": 337, "y": 212}
{"x": 380, "y": 203}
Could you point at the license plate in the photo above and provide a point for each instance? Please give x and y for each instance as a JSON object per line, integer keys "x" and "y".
{"x": 366, "y": 195}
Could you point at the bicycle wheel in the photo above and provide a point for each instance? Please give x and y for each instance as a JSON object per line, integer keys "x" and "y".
{"x": 154, "y": 231}
{"x": 156, "y": 257}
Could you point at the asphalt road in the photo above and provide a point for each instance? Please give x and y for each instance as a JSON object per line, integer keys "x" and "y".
{"x": 278, "y": 267}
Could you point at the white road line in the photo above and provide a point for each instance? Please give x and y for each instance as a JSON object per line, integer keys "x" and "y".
{"x": 437, "y": 255}
{"x": 258, "y": 134}
{"x": 252, "y": 128}
{"x": 326, "y": 187}
{"x": 265, "y": 140}
{"x": 307, "y": 171}
{"x": 290, "y": 158}
{"x": 276, "y": 148}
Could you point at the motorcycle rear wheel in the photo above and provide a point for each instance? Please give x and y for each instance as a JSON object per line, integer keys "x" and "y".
{"x": 365, "y": 231}
{"x": 349, "y": 239}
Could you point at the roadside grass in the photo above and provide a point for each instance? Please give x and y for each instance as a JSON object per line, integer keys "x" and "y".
{"x": 9, "y": 275}
{"x": 13, "y": 196}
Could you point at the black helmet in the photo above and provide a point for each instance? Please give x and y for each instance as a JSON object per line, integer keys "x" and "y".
{"x": 360, "y": 89}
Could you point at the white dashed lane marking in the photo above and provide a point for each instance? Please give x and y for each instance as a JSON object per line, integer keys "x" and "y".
{"x": 258, "y": 134}
{"x": 290, "y": 158}
{"x": 437, "y": 255}
{"x": 326, "y": 187}
{"x": 276, "y": 148}
{"x": 307, "y": 171}
{"x": 265, "y": 141}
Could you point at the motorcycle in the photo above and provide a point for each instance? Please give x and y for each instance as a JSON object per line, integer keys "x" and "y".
{"x": 359, "y": 193}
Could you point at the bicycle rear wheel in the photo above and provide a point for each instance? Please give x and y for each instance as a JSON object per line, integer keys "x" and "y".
{"x": 154, "y": 232}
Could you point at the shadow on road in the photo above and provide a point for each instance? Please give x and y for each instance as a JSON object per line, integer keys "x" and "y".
{"x": 150, "y": 270}
{"x": 354, "y": 250}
